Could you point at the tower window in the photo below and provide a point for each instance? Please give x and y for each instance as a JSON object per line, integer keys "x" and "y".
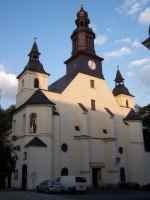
{"x": 36, "y": 83}
{"x": 92, "y": 84}
{"x": 64, "y": 171}
{"x": 33, "y": 122}
{"x": 93, "y": 107}
{"x": 81, "y": 23}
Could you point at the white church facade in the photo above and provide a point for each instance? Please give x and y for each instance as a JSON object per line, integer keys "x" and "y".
{"x": 77, "y": 125}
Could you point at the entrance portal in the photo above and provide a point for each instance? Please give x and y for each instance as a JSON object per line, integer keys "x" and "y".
{"x": 122, "y": 175}
{"x": 96, "y": 176}
{"x": 24, "y": 177}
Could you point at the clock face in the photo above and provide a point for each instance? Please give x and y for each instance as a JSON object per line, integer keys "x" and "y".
{"x": 92, "y": 64}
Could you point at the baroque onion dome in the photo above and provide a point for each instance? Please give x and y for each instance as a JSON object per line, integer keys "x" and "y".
{"x": 83, "y": 36}
{"x": 34, "y": 63}
{"x": 119, "y": 85}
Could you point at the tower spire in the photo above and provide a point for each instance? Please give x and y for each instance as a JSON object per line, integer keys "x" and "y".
{"x": 34, "y": 53}
{"x": 120, "y": 88}
{"x": 34, "y": 63}
{"x": 119, "y": 78}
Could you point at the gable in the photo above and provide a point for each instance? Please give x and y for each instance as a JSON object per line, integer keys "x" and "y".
{"x": 35, "y": 142}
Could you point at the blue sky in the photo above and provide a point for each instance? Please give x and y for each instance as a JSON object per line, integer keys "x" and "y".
{"x": 120, "y": 26}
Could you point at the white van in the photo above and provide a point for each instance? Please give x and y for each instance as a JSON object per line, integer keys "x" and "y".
{"x": 73, "y": 183}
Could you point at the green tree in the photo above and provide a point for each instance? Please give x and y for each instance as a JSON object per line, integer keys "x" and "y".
{"x": 7, "y": 159}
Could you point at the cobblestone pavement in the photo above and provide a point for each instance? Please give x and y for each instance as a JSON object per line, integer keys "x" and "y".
{"x": 98, "y": 195}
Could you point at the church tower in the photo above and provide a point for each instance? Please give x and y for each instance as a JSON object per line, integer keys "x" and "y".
{"x": 84, "y": 58}
{"x": 122, "y": 94}
{"x": 33, "y": 77}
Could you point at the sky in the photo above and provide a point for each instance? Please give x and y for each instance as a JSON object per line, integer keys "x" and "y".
{"x": 120, "y": 27}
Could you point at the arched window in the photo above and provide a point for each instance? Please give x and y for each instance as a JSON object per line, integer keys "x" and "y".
{"x": 36, "y": 83}
{"x": 81, "y": 23}
{"x": 64, "y": 171}
{"x": 33, "y": 122}
{"x": 127, "y": 103}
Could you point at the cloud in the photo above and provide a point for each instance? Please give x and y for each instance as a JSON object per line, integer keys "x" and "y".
{"x": 140, "y": 62}
{"x": 118, "y": 53}
{"x": 140, "y": 70}
{"x": 131, "y": 7}
{"x": 127, "y": 47}
{"x": 131, "y": 43}
{"x": 101, "y": 39}
{"x": 8, "y": 84}
{"x": 124, "y": 40}
{"x": 144, "y": 17}
{"x": 93, "y": 26}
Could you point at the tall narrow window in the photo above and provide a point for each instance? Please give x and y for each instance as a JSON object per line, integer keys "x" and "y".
{"x": 81, "y": 23}
{"x": 24, "y": 123}
{"x": 25, "y": 156}
{"x": 36, "y": 83}
{"x": 33, "y": 122}
{"x": 22, "y": 82}
{"x": 93, "y": 106}
{"x": 92, "y": 84}
{"x": 127, "y": 103}
{"x": 14, "y": 125}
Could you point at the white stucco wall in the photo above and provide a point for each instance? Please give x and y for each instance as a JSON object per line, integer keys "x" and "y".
{"x": 96, "y": 148}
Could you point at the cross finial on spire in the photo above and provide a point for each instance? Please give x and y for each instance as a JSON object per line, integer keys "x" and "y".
{"x": 117, "y": 67}
{"x": 81, "y": 3}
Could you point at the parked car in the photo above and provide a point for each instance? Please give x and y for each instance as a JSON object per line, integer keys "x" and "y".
{"x": 49, "y": 186}
{"x": 73, "y": 183}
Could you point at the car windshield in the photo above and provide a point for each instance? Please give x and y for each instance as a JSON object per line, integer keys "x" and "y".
{"x": 47, "y": 182}
{"x": 80, "y": 179}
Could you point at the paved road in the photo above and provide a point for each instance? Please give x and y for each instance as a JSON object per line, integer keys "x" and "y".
{"x": 89, "y": 196}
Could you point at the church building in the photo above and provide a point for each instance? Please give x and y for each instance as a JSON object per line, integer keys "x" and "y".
{"x": 77, "y": 125}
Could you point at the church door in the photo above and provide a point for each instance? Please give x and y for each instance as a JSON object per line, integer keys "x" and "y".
{"x": 122, "y": 175}
{"x": 24, "y": 177}
{"x": 96, "y": 177}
